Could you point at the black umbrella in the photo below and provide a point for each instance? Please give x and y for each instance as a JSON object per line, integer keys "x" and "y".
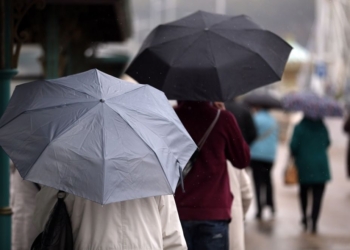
{"x": 207, "y": 56}
{"x": 263, "y": 101}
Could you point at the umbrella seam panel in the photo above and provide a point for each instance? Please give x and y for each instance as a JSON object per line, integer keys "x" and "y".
{"x": 64, "y": 86}
{"x": 147, "y": 145}
{"x": 175, "y": 60}
{"x": 64, "y": 131}
{"x": 248, "y": 49}
{"x": 103, "y": 137}
{"x": 174, "y": 40}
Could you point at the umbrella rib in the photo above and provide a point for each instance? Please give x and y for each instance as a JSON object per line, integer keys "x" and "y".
{"x": 238, "y": 30}
{"x": 248, "y": 49}
{"x": 215, "y": 66}
{"x": 103, "y": 155}
{"x": 98, "y": 81}
{"x": 48, "y": 82}
{"x": 240, "y": 45}
{"x": 211, "y": 49}
{"x": 64, "y": 86}
{"x": 174, "y": 40}
{"x": 180, "y": 26}
{"x": 227, "y": 20}
{"x": 144, "y": 142}
{"x": 150, "y": 92}
{"x": 151, "y": 150}
{"x": 154, "y": 97}
{"x": 135, "y": 110}
{"x": 57, "y": 106}
{"x": 189, "y": 46}
{"x": 65, "y": 130}
{"x": 174, "y": 121}
{"x": 261, "y": 31}
{"x": 40, "y": 109}
{"x": 127, "y": 92}
{"x": 218, "y": 76}
{"x": 202, "y": 16}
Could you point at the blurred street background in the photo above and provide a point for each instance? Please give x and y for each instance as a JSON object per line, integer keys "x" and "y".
{"x": 284, "y": 231}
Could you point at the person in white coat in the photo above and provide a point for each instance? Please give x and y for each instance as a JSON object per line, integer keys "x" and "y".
{"x": 240, "y": 183}
{"x": 241, "y": 189}
{"x": 23, "y": 204}
{"x": 144, "y": 224}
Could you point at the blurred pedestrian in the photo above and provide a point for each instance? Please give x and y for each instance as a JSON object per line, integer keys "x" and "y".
{"x": 205, "y": 206}
{"x": 309, "y": 145}
{"x": 244, "y": 120}
{"x": 347, "y": 130}
{"x": 146, "y": 223}
{"x": 263, "y": 153}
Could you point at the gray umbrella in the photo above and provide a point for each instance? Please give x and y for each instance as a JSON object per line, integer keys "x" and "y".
{"x": 96, "y": 136}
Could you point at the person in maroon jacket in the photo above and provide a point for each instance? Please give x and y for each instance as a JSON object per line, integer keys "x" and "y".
{"x": 205, "y": 206}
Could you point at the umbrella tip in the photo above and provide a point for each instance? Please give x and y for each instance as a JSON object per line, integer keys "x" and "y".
{"x": 102, "y": 100}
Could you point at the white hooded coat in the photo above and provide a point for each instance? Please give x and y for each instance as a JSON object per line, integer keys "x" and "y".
{"x": 148, "y": 223}
{"x": 241, "y": 189}
{"x": 23, "y": 206}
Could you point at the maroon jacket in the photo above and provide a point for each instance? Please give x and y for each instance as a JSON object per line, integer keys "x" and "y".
{"x": 207, "y": 189}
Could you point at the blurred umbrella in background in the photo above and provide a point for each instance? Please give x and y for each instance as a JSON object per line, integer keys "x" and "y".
{"x": 211, "y": 57}
{"x": 262, "y": 100}
{"x": 312, "y": 105}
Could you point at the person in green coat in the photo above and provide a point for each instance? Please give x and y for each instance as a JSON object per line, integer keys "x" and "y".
{"x": 309, "y": 145}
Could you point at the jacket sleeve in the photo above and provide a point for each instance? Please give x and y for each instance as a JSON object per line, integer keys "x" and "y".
{"x": 246, "y": 190}
{"x": 328, "y": 140}
{"x": 294, "y": 144}
{"x": 251, "y": 133}
{"x": 237, "y": 150}
{"x": 347, "y": 125}
{"x": 173, "y": 237}
{"x": 23, "y": 206}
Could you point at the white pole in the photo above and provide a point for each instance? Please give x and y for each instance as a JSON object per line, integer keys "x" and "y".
{"x": 322, "y": 20}
{"x": 220, "y": 6}
{"x": 155, "y": 13}
{"x": 170, "y": 10}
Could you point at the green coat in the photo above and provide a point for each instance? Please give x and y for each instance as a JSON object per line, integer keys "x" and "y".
{"x": 309, "y": 148}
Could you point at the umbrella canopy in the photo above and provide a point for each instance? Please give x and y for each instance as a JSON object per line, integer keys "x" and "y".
{"x": 312, "y": 105}
{"x": 96, "y": 136}
{"x": 209, "y": 57}
{"x": 262, "y": 100}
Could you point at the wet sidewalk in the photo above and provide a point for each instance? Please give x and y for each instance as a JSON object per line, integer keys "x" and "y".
{"x": 284, "y": 231}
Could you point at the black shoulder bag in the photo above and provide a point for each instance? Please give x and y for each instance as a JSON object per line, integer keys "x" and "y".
{"x": 57, "y": 234}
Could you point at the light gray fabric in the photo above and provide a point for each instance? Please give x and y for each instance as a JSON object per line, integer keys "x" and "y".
{"x": 141, "y": 224}
{"x": 96, "y": 136}
{"x": 242, "y": 191}
{"x": 22, "y": 194}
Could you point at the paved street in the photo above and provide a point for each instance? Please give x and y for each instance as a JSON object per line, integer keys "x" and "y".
{"x": 284, "y": 232}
